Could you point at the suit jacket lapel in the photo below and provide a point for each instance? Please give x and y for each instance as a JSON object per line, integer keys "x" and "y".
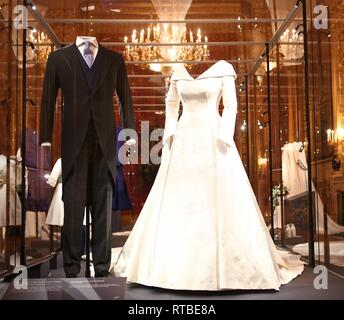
{"x": 74, "y": 64}
{"x": 105, "y": 65}
{"x": 70, "y": 55}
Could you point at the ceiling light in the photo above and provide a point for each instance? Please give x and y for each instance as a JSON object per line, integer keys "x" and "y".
{"x": 115, "y": 10}
{"x": 191, "y": 50}
{"x": 262, "y": 161}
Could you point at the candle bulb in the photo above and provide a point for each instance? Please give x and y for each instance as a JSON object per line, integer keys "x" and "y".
{"x": 329, "y": 133}
{"x": 184, "y": 34}
{"x": 142, "y": 36}
{"x": 173, "y": 32}
{"x": 148, "y": 33}
{"x": 133, "y": 36}
{"x": 191, "y": 36}
{"x": 158, "y": 32}
{"x": 154, "y": 32}
{"x": 205, "y": 46}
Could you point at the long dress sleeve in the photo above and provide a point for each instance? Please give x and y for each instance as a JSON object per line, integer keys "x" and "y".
{"x": 172, "y": 109}
{"x": 124, "y": 97}
{"x": 227, "y": 123}
{"x": 50, "y": 89}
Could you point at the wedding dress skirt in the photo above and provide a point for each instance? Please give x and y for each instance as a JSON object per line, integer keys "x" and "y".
{"x": 201, "y": 227}
{"x": 56, "y": 210}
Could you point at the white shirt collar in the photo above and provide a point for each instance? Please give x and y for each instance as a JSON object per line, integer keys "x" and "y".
{"x": 81, "y": 39}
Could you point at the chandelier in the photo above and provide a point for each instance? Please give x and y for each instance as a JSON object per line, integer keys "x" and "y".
{"x": 335, "y": 138}
{"x": 292, "y": 47}
{"x": 40, "y": 45}
{"x": 145, "y": 46}
{"x": 274, "y": 57}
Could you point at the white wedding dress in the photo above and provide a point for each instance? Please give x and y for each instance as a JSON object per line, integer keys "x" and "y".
{"x": 201, "y": 227}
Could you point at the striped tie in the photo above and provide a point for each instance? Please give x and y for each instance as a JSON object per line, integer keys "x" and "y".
{"x": 88, "y": 53}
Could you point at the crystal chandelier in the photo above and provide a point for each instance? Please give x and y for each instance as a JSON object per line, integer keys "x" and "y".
{"x": 193, "y": 48}
{"x": 274, "y": 56}
{"x": 335, "y": 138}
{"x": 292, "y": 47}
{"x": 40, "y": 45}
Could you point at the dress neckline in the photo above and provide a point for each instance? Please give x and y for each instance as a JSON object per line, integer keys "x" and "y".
{"x": 219, "y": 69}
{"x": 204, "y": 72}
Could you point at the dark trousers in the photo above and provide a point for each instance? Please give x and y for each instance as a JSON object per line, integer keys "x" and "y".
{"x": 116, "y": 220}
{"x": 90, "y": 176}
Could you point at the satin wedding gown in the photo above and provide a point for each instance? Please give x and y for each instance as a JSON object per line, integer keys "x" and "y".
{"x": 201, "y": 227}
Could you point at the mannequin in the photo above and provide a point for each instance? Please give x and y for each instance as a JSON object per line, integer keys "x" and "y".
{"x": 14, "y": 217}
{"x": 294, "y": 172}
{"x": 10, "y": 217}
{"x": 82, "y": 72}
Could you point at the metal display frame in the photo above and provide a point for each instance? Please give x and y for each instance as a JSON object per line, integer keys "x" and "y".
{"x": 45, "y": 23}
{"x": 266, "y": 54}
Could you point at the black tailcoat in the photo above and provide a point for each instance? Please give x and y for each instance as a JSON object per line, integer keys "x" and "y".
{"x": 64, "y": 71}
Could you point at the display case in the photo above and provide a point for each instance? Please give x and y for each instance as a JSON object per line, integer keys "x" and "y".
{"x": 293, "y": 108}
{"x": 290, "y": 110}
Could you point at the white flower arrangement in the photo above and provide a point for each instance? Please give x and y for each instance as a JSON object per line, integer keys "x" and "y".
{"x": 276, "y": 194}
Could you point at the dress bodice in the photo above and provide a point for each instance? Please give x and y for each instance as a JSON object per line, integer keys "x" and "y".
{"x": 201, "y": 98}
{"x": 201, "y": 95}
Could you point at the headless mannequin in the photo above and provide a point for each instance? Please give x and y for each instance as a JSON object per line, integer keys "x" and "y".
{"x": 80, "y": 43}
{"x": 87, "y": 146}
